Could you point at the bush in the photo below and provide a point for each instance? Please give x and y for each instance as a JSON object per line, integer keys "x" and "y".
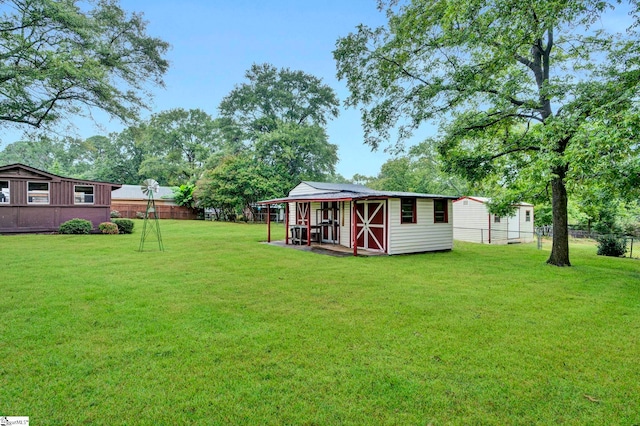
{"x": 76, "y": 226}
{"x": 140, "y": 215}
{"x": 115, "y": 213}
{"x": 125, "y": 226}
{"x": 610, "y": 245}
{"x": 108, "y": 228}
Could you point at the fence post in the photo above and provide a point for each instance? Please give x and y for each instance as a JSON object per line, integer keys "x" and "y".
{"x": 539, "y": 235}
{"x": 631, "y": 252}
{"x": 481, "y": 236}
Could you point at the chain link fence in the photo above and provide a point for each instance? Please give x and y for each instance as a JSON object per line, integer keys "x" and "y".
{"x": 542, "y": 233}
{"x": 630, "y": 241}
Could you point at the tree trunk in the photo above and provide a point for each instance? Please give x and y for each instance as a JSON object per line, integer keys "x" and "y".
{"x": 560, "y": 248}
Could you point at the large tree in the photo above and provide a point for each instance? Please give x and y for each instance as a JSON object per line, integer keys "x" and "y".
{"x": 64, "y": 58}
{"x": 418, "y": 172}
{"x": 518, "y": 87}
{"x": 298, "y": 152}
{"x": 177, "y": 143}
{"x": 236, "y": 184}
{"x": 272, "y": 96}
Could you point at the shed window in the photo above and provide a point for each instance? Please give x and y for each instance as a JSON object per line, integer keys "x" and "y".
{"x": 527, "y": 215}
{"x": 4, "y": 192}
{"x": 83, "y": 194}
{"x": 440, "y": 211}
{"x": 38, "y": 192}
{"x": 408, "y": 210}
{"x": 496, "y": 219}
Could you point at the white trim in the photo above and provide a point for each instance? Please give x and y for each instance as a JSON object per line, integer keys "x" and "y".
{"x": 39, "y": 192}
{"x": 93, "y": 195}
{"x": 366, "y": 225}
{"x": 7, "y": 194}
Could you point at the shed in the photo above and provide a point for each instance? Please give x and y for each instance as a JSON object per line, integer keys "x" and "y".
{"x": 358, "y": 217}
{"x": 473, "y": 223}
{"x": 33, "y": 200}
{"x": 129, "y": 200}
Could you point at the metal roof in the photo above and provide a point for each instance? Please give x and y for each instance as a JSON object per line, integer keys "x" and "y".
{"x": 363, "y": 194}
{"x": 134, "y": 192}
{"x": 326, "y": 186}
{"x": 488, "y": 200}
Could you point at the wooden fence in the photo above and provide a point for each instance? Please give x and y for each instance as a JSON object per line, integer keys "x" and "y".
{"x": 133, "y": 211}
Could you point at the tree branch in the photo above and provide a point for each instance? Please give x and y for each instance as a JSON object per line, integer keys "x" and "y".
{"x": 511, "y": 151}
{"x": 404, "y": 70}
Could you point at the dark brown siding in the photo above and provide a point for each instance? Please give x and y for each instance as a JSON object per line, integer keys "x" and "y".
{"x": 20, "y": 216}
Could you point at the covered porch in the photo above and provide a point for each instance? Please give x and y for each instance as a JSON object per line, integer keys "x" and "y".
{"x": 339, "y": 222}
{"x": 335, "y": 250}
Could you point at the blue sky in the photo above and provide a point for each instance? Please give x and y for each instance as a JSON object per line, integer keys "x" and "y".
{"x": 214, "y": 42}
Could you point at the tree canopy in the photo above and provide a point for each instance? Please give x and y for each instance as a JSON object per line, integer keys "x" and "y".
{"x": 273, "y": 96}
{"x": 61, "y": 58}
{"x": 517, "y": 87}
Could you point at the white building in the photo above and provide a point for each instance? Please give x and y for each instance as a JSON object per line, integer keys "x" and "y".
{"x": 358, "y": 217}
{"x": 473, "y": 223}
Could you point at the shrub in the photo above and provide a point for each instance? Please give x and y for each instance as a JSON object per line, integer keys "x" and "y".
{"x": 140, "y": 215}
{"x": 108, "y": 228}
{"x": 76, "y": 226}
{"x": 115, "y": 213}
{"x": 125, "y": 226}
{"x": 610, "y": 245}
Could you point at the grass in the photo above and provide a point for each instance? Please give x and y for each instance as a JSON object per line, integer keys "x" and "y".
{"x": 220, "y": 329}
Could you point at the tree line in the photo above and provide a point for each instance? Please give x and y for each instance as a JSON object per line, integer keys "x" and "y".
{"x": 269, "y": 135}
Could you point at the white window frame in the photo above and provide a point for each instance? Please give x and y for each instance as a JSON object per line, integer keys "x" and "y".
{"x": 7, "y": 194}
{"x": 38, "y": 190}
{"x": 75, "y": 193}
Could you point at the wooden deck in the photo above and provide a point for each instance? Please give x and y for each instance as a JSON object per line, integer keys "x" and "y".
{"x": 327, "y": 249}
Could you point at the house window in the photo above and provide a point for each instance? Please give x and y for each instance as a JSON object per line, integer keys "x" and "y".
{"x": 83, "y": 194}
{"x": 4, "y": 192}
{"x": 527, "y": 215}
{"x": 496, "y": 219}
{"x": 440, "y": 211}
{"x": 38, "y": 192}
{"x": 407, "y": 210}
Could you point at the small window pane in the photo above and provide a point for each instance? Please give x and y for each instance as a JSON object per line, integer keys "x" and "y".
{"x": 408, "y": 210}
{"x": 528, "y": 215}
{"x": 83, "y": 194}
{"x": 440, "y": 211}
{"x": 4, "y": 192}
{"x": 496, "y": 219}
{"x": 38, "y": 192}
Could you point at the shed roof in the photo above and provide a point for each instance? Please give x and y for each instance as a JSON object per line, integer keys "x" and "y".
{"x": 134, "y": 192}
{"x": 327, "y": 186}
{"x": 345, "y": 192}
{"x": 50, "y": 176}
{"x": 488, "y": 200}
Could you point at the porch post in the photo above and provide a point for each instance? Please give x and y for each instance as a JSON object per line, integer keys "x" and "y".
{"x": 354, "y": 215}
{"x": 268, "y": 223}
{"x": 286, "y": 223}
{"x": 309, "y": 224}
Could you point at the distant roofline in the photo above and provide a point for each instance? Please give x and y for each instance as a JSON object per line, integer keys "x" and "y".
{"x": 55, "y": 176}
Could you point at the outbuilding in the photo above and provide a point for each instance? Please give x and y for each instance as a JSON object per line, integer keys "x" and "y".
{"x": 33, "y": 200}
{"x": 130, "y": 202}
{"x": 474, "y": 223}
{"x": 360, "y": 218}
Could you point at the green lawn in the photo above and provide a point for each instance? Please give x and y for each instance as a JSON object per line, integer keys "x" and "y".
{"x": 221, "y": 329}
